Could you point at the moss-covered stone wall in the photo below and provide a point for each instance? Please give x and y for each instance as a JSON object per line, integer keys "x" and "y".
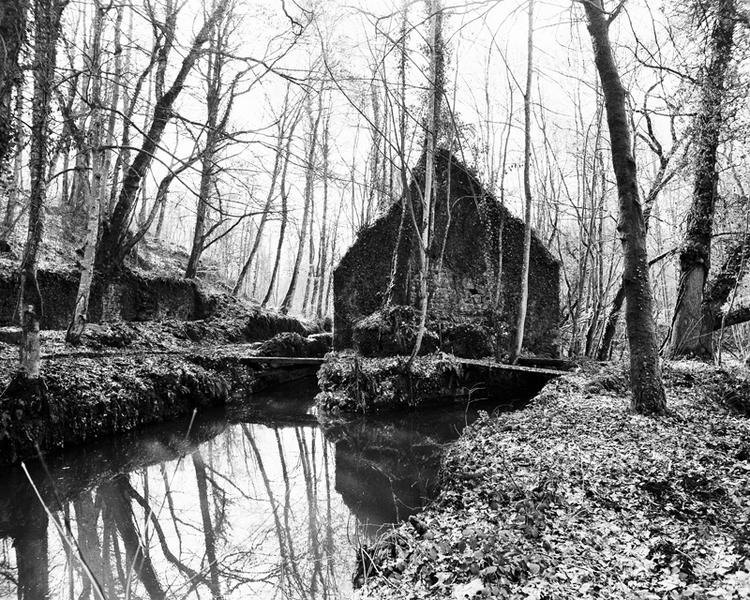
{"x": 464, "y": 266}
{"x": 132, "y": 297}
{"x": 360, "y": 281}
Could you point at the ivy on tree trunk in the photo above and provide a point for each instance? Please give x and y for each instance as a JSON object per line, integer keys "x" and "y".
{"x": 645, "y": 370}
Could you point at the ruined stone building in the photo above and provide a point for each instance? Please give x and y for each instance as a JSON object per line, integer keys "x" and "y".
{"x": 464, "y": 267}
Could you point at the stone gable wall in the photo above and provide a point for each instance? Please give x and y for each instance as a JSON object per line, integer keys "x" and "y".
{"x": 464, "y": 266}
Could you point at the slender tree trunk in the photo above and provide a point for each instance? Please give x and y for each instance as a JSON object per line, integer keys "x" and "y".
{"x": 610, "y": 327}
{"x": 323, "y": 258}
{"x": 498, "y": 303}
{"x": 329, "y": 286}
{"x": 688, "y": 332}
{"x": 645, "y": 370}
{"x": 524, "y": 300}
{"x": 122, "y": 162}
{"x": 16, "y": 191}
{"x": 47, "y": 15}
{"x": 95, "y": 188}
{"x": 13, "y": 36}
{"x": 143, "y": 205}
{"x": 114, "y": 102}
{"x": 374, "y": 192}
{"x": 428, "y": 199}
{"x": 282, "y": 229}
{"x": 208, "y": 170}
{"x": 406, "y": 200}
{"x": 310, "y": 261}
{"x": 286, "y": 304}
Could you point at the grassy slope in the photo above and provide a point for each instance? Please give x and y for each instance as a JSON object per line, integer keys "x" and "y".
{"x": 576, "y": 497}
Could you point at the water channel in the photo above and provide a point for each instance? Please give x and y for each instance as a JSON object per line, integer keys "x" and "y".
{"x": 257, "y": 502}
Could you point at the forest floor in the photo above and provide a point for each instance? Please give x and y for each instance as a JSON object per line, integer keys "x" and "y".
{"x": 578, "y": 497}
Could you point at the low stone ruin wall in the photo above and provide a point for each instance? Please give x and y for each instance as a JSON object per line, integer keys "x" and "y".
{"x": 130, "y": 298}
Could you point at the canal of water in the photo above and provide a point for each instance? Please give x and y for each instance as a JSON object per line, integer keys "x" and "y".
{"x": 256, "y": 502}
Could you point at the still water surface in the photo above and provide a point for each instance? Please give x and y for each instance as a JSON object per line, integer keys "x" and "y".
{"x": 261, "y": 502}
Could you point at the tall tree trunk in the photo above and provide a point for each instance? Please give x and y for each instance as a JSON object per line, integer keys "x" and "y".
{"x": 645, "y": 370}
{"x": 286, "y": 304}
{"x": 428, "y": 199}
{"x": 282, "y": 229}
{"x": 310, "y": 261}
{"x": 47, "y": 15}
{"x": 122, "y": 161}
{"x": 13, "y": 36}
{"x": 114, "y": 103}
{"x": 374, "y": 192}
{"x": 329, "y": 286}
{"x": 406, "y": 200}
{"x": 317, "y": 303}
{"x": 16, "y": 190}
{"x": 524, "y": 299}
{"x": 95, "y": 188}
{"x": 689, "y": 335}
{"x": 498, "y": 303}
{"x": 610, "y": 328}
{"x": 213, "y": 135}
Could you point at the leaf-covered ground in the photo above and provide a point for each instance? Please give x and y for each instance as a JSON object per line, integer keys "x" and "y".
{"x": 577, "y": 497}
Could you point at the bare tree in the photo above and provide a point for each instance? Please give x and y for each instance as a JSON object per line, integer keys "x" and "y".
{"x": 96, "y": 185}
{"x": 310, "y": 157}
{"x": 215, "y": 127}
{"x": 434, "y": 101}
{"x": 47, "y": 14}
{"x": 524, "y": 300}
{"x": 287, "y": 124}
{"x": 645, "y": 370}
{"x": 116, "y": 226}
{"x": 284, "y": 192}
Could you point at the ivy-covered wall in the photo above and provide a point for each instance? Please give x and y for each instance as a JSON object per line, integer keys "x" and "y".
{"x": 464, "y": 265}
{"x": 131, "y": 298}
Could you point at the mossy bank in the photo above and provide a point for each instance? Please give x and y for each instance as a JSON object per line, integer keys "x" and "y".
{"x": 127, "y": 375}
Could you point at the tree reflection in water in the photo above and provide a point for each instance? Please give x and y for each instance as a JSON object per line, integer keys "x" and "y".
{"x": 259, "y": 519}
{"x": 235, "y": 510}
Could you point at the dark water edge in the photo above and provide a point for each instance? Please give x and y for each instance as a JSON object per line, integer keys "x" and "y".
{"x": 250, "y": 501}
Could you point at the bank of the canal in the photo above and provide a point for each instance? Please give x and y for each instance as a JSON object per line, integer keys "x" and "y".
{"x": 127, "y": 375}
{"x": 577, "y": 497}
